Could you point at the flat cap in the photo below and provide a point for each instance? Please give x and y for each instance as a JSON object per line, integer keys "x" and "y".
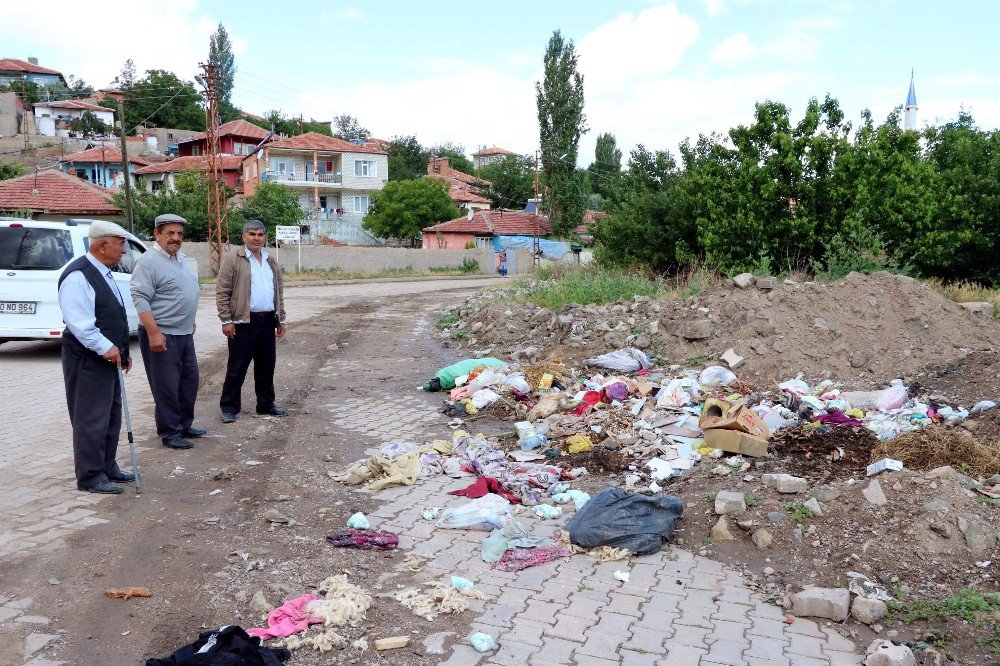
{"x": 100, "y": 229}
{"x": 168, "y": 218}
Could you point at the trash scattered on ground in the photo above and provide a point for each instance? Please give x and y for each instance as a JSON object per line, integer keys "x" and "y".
{"x": 524, "y": 558}
{"x": 127, "y": 593}
{"x": 341, "y": 605}
{"x": 415, "y": 560}
{"x": 359, "y": 522}
{"x": 436, "y": 599}
{"x": 623, "y": 576}
{"x": 614, "y": 517}
{"x": 228, "y": 645}
{"x": 287, "y": 619}
{"x": 484, "y": 513}
{"x": 884, "y": 465}
{"x": 364, "y": 539}
{"x": 430, "y": 512}
{"x": 482, "y": 642}
{"x": 391, "y": 643}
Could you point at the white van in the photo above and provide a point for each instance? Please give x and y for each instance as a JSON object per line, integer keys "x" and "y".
{"x": 33, "y": 255}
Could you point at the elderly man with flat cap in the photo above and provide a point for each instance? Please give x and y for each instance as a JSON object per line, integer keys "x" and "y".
{"x": 94, "y": 346}
{"x": 249, "y": 298}
{"x": 165, "y": 294}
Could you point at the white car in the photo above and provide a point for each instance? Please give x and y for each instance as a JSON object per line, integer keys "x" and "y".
{"x": 33, "y": 255}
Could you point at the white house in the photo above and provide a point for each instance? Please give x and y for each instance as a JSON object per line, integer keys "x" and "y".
{"x": 53, "y": 118}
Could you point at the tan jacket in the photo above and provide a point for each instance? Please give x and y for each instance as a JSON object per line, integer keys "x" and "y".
{"x": 232, "y": 287}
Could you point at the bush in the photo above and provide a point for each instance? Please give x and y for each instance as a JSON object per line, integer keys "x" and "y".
{"x": 583, "y": 286}
{"x": 469, "y": 266}
{"x": 861, "y": 251}
{"x": 470, "y": 245}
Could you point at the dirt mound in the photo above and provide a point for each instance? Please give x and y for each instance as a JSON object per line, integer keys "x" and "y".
{"x": 861, "y": 330}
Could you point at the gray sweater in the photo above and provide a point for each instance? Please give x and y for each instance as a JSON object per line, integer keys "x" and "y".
{"x": 165, "y": 287}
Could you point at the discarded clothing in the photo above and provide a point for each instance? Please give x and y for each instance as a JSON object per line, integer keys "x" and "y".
{"x": 364, "y": 539}
{"x": 287, "y": 619}
{"x": 483, "y": 486}
{"x": 614, "y": 517}
{"x": 515, "y": 560}
{"x": 837, "y": 419}
{"x": 590, "y": 398}
{"x": 227, "y": 646}
{"x": 512, "y": 535}
{"x": 484, "y": 513}
{"x": 399, "y": 463}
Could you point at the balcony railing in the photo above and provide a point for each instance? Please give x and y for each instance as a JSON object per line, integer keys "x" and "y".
{"x": 277, "y": 176}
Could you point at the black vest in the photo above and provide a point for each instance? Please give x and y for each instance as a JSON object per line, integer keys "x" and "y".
{"x": 110, "y": 315}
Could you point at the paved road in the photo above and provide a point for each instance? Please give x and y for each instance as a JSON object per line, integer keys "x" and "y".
{"x": 37, "y": 488}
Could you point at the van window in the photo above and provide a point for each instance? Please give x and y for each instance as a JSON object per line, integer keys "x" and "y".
{"x": 25, "y": 248}
{"x": 132, "y": 254}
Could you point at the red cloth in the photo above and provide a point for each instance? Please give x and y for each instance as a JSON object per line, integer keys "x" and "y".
{"x": 483, "y": 486}
{"x": 287, "y": 619}
{"x": 522, "y": 558}
{"x": 590, "y": 398}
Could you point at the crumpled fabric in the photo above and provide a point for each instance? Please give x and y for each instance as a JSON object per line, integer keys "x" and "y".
{"x": 837, "y": 419}
{"x": 364, "y": 539}
{"x": 515, "y": 560}
{"x": 287, "y": 619}
{"x": 228, "y": 645}
{"x": 590, "y": 398}
{"x": 484, "y": 485}
{"x": 398, "y": 463}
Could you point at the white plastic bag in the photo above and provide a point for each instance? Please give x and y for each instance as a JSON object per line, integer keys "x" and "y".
{"x": 486, "y": 513}
{"x": 882, "y": 401}
{"x": 484, "y": 398}
{"x": 715, "y": 376}
{"x": 624, "y": 360}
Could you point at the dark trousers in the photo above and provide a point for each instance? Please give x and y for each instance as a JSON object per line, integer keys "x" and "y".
{"x": 254, "y": 341}
{"x": 94, "y": 398}
{"x": 173, "y": 379}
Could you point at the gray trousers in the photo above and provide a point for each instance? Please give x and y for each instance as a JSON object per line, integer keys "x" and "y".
{"x": 94, "y": 398}
{"x": 173, "y": 380}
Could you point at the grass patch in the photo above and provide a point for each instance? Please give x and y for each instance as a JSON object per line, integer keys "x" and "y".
{"x": 447, "y": 320}
{"x": 459, "y": 336}
{"x": 555, "y": 287}
{"x": 799, "y": 511}
{"x": 967, "y": 605}
{"x": 751, "y": 500}
{"x": 967, "y": 292}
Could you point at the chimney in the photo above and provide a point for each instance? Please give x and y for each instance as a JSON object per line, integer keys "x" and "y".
{"x": 32, "y": 60}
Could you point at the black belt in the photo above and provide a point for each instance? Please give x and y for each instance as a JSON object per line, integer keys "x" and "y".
{"x": 262, "y": 314}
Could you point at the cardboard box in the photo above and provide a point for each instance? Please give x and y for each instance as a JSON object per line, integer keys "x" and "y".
{"x": 885, "y": 465}
{"x": 734, "y": 441}
{"x": 724, "y": 415}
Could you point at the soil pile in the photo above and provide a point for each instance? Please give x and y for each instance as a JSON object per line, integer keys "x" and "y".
{"x": 863, "y": 330}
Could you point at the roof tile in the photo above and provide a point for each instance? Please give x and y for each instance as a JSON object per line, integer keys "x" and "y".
{"x": 53, "y": 191}
{"x": 315, "y": 141}
{"x": 195, "y": 162}
{"x": 495, "y": 223}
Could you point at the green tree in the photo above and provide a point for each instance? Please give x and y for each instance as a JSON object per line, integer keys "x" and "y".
{"x": 273, "y": 205}
{"x": 407, "y": 158}
{"x": 459, "y": 161}
{"x": 561, "y": 123}
{"x": 28, "y": 92}
{"x": 89, "y": 126}
{"x": 220, "y": 53}
{"x": 11, "y": 169}
{"x": 349, "y": 128}
{"x": 512, "y": 181}
{"x": 189, "y": 199}
{"x": 405, "y": 207}
{"x": 605, "y": 171}
{"x": 161, "y": 99}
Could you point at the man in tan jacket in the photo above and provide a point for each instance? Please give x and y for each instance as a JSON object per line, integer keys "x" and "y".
{"x": 249, "y": 298}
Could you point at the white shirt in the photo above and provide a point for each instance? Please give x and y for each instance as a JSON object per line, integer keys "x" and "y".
{"x": 77, "y": 301}
{"x": 261, "y": 283}
{"x": 179, "y": 257}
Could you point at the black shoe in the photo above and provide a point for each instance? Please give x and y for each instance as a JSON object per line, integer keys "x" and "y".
{"x": 121, "y": 477}
{"x": 194, "y": 433}
{"x": 177, "y": 443}
{"x": 274, "y": 411}
{"x": 106, "y": 488}
{"x": 228, "y": 417}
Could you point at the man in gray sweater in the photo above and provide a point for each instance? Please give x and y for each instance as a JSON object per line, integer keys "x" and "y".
{"x": 165, "y": 294}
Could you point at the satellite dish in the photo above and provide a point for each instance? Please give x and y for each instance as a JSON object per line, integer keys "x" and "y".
{"x": 471, "y": 214}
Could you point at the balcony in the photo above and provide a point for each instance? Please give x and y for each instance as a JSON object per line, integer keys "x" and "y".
{"x": 303, "y": 178}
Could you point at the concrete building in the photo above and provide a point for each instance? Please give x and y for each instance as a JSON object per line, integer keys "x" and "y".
{"x": 237, "y": 137}
{"x": 14, "y": 71}
{"x": 488, "y": 156}
{"x": 481, "y": 226}
{"x": 101, "y": 166}
{"x": 462, "y": 188}
{"x": 55, "y": 196}
{"x": 53, "y": 118}
{"x": 160, "y": 175}
{"x": 334, "y": 180}
{"x": 13, "y": 116}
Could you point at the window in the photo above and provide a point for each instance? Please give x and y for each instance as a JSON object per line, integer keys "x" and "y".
{"x": 195, "y": 150}
{"x": 155, "y": 185}
{"x": 322, "y": 203}
{"x": 132, "y": 254}
{"x": 361, "y": 203}
{"x": 24, "y": 248}
{"x": 364, "y": 168}
{"x": 283, "y": 166}
{"x": 483, "y": 242}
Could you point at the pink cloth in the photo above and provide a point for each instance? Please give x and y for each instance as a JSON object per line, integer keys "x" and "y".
{"x": 287, "y": 619}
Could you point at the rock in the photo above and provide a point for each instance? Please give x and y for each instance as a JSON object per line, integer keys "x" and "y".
{"x": 886, "y": 653}
{"x": 727, "y": 502}
{"x": 827, "y": 493}
{"x": 526, "y": 354}
{"x": 332, "y": 347}
{"x": 643, "y": 341}
{"x": 821, "y": 324}
{"x": 759, "y": 347}
{"x": 565, "y": 321}
{"x": 777, "y": 516}
{"x": 732, "y": 359}
{"x": 762, "y": 538}
{"x": 768, "y": 571}
{"x": 275, "y": 516}
{"x": 653, "y": 327}
{"x": 868, "y": 611}
{"x": 765, "y": 282}
{"x": 983, "y": 308}
{"x": 697, "y": 329}
{"x": 938, "y": 507}
{"x": 950, "y": 473}
{"x": 259, "y": 603}
{"x": 743, "y": 280}
{"x": 980, "y": 537}
{"x": 873, "y": 493}
{"x": 720, "y": 531}
{"x": 813, "y": 505}
{"x": 963, "y": 524}
{"x": 943, "y": 529}
{"x": 476, "y": 327}
{"x": 833, "y": 603}
{"x": 859, "y": 360}
{"x": 785, "y": 483}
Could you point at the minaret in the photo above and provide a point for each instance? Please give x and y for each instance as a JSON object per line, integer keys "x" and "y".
{"x": 910, "y": 110}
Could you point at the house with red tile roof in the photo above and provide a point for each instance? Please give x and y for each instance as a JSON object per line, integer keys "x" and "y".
{"x": 462, "y": 188}
{"x": 481, "y": 226}
{"x": 13, "y": 70}
{"x": 53, "y": 118}
{"x": 55, "y": 196}
{"x": 237, "y": 137}
{"x": 585, "y": 232}
{"x": 333, "y": 179}
{"x": 488, "y": 156}
{"x": 159, "y": 175}
{"x": 101, "y": 165}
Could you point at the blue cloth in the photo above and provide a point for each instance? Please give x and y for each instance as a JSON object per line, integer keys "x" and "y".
{"x": 261, "y": 283}
{"x": 550, "y": 249}
{"x": 77, "y": 301}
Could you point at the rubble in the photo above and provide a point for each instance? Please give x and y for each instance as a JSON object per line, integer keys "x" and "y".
{"x": 729, "y": 502}
{"x": 831, "y": 603}
{"x": 887, "y": 653}
{"x": 868, "y": 611}
{"x": 785, "y": 483}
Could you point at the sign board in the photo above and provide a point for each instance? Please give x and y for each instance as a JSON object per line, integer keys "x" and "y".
{"x": 290, "y": 234}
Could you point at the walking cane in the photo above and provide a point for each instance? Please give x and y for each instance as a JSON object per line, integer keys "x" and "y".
{"x": 128, "y": 428}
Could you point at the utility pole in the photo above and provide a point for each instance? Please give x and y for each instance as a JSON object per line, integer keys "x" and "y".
{"x": 536, "y": 244}
{"x": 24, "y": 103}
{"x": 128, "y": 185}
{"x": 218, "y": 230}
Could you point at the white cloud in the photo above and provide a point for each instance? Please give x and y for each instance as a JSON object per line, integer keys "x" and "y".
{"x": 713, "y": 7}
{"x": 734, "y": 49}
{"x": 353, "y": 14}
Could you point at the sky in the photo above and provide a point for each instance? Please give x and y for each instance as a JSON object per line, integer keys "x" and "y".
{"x": 465, "y": 72}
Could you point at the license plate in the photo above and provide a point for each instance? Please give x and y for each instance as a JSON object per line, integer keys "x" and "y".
{"x": 7, "y": 307}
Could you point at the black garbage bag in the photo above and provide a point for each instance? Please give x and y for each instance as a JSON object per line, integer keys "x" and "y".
{"x": 228, "y": 646}
{"x": 638, "y": 523}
